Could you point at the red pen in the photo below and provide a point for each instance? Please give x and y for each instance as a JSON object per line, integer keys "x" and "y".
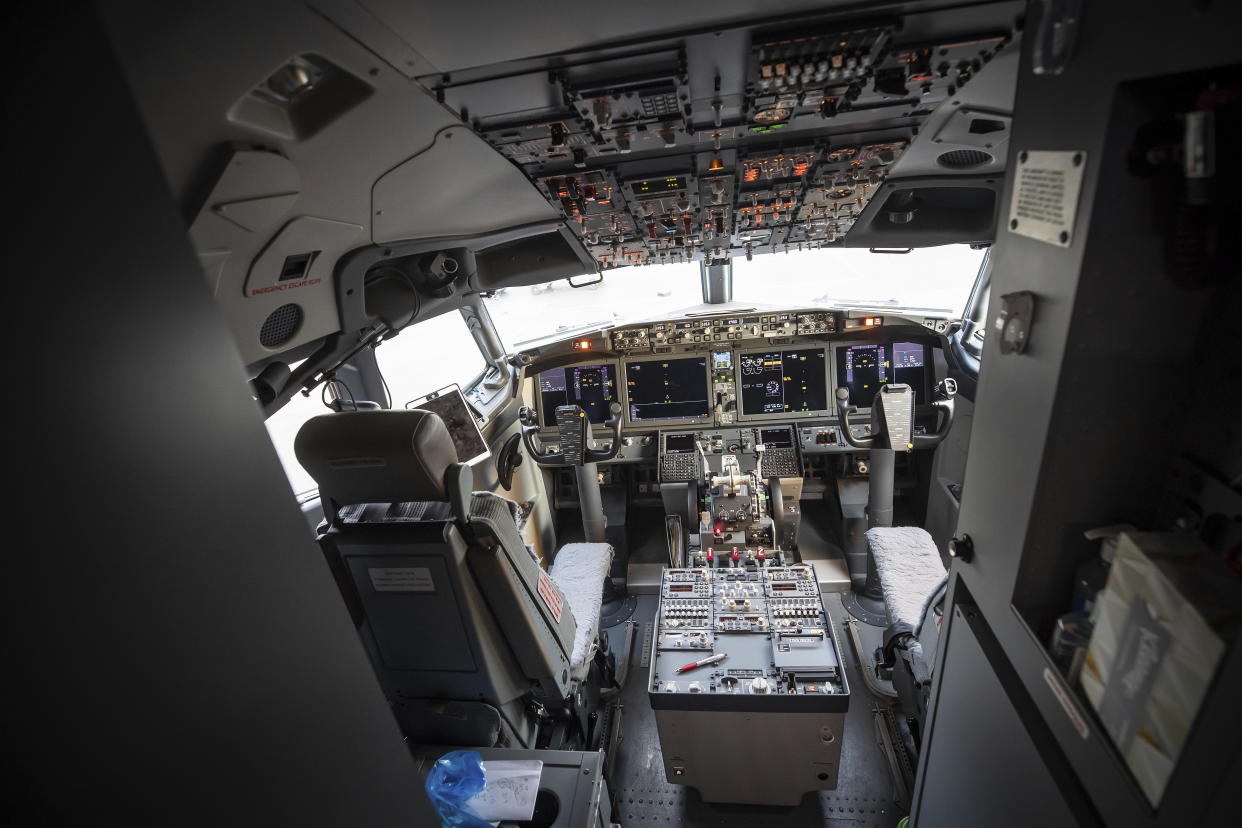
{"x": 711, "y": 659}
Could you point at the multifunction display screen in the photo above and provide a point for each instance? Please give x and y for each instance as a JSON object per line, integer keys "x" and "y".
{"x": 776, "y": 437}
{"x": 592, "y": 387}
{"x": 864, "y": 368}
{"x": 679, "y": 444}
{"x": 784, "y": 382}
{"x": 667, "y": 389}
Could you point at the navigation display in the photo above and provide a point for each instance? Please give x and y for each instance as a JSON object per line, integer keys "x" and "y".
{"x": 784, "y": 382}
{"x": 864, "y": 368}
{"x": 592, "y": 387}
{"x": 667, "y": 389}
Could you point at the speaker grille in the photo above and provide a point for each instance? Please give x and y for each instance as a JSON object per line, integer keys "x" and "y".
{"x": 964, "y": 159}
{"x": 280, "y": 325}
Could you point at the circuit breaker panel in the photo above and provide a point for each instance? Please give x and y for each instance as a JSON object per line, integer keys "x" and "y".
{"x": 747, "y": 656}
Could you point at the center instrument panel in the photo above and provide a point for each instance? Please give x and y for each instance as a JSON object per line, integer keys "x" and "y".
{"x": 698, "y": 379}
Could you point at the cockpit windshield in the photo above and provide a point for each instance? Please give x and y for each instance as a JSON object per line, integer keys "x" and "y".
{"x": 524, "y": 316}
{"x": 935, "y": 280}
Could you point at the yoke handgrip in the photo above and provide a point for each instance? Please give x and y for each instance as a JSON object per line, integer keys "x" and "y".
{"x": 530, "y": 427}
{"x": 614, "y": 423}
{"x": 945, "y": 390}
{"x": 844, "y": 410}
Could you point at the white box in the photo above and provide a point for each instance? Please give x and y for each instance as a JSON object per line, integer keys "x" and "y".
{"x": 1161, "y": 625}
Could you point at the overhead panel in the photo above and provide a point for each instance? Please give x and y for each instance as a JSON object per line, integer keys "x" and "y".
{"x": 740, "y": 141}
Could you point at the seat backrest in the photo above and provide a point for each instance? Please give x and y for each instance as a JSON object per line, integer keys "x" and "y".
{"x": 450, "y": 603}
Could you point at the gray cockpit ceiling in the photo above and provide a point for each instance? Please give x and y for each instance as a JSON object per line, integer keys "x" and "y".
{"x": 281, "y": 197}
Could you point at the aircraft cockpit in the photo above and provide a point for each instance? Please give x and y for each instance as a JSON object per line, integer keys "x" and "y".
{"x": 598, "y": 415}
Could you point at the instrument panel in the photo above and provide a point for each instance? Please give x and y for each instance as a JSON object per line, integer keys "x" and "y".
{"x": 767, "y": 369}
{"x": 704, "y": 374}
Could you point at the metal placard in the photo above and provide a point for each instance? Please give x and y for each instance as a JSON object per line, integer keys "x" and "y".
{"x": 1045, "y": 195}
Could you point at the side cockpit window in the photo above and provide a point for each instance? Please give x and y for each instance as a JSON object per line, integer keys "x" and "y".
{"x": 283, "y": 427}
{"x": 427, "y": 356}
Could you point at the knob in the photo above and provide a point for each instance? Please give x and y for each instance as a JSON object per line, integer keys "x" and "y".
{"x": 962, "y": 548}
{"x": 759, "y": 685}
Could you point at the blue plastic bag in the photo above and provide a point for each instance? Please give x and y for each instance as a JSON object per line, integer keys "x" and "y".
{"x": 454, "y": 778}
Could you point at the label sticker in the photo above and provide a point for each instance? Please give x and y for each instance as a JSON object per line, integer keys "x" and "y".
{"x": 1045, "y": 195}
{"x": 401, "y": 579}
{"x": 1068, "y": 706}
{"x": 547, "y": 591}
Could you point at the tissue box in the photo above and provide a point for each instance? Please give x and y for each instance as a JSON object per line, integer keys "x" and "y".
{"x": 1161, "y": 626}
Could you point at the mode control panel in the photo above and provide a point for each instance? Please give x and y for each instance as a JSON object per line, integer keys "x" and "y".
{"x": 725, "y": 329}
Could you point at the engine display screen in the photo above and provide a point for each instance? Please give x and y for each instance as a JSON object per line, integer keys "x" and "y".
{"x": 864, "y": 368}
{"x": 667, "y": 389}
{"x": 784, "y": 382}
{"x": 593, "y": 387}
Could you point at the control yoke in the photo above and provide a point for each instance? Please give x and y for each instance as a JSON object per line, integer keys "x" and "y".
{"x": 892, "y": 417}
{"x": 574, "y": 429}
{"x": 574, "y": 433}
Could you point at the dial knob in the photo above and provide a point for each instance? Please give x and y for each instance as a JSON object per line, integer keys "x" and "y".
{"x": 759, "y": 685}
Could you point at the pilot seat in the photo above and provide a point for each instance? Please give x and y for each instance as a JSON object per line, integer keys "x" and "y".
{"x": 913, "y": 580}
{"x": 472, "y": 641}
{"x": 905, "y": 577}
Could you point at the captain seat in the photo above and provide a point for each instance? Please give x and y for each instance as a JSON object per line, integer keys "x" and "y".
{"x": 472, "y": 641}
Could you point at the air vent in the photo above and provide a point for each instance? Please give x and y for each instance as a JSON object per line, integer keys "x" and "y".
{"x": 280, "y": 325}
{"x": 964, "y": 159}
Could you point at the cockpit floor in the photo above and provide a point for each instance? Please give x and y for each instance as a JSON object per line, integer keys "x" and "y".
{"x": 864, "y": 798}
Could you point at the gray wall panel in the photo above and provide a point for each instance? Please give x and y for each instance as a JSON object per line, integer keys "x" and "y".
{"x": 176, "y": 650}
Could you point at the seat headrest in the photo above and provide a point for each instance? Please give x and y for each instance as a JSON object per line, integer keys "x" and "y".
{"x": 341, "y": 404}
{"x": 377, "y": 456}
